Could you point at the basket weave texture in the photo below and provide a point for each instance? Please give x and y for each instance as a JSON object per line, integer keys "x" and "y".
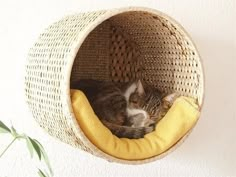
{"x": 118, "y": 45}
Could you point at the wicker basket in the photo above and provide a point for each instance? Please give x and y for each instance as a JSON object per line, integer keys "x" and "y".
{"x": 118, "y": 45}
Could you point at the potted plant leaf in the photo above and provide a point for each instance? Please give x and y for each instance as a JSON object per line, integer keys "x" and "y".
{"x": 34, "y": 147}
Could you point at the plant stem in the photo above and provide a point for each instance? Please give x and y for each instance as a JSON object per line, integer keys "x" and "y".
{"x": 3, "y": 152}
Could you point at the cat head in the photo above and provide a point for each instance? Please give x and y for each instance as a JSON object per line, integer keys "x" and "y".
{"x": 139, "y": 95}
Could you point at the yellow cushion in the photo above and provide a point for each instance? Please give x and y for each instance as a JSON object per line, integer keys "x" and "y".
{"x": 176, "y": 123}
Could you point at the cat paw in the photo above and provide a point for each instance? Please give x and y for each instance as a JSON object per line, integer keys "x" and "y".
{"x": 150, "y": 128}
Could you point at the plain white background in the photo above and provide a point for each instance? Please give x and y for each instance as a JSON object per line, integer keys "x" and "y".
{"x": 211, "y": 148}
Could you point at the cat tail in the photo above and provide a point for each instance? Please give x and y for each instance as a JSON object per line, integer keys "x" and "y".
{"x": 128, "y": 132}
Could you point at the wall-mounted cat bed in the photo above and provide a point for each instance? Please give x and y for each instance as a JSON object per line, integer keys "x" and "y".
{"x": 118, "y": 45}
{"x": 179, "y": 119}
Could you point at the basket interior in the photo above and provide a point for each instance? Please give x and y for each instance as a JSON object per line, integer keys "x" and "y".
{"x": 141, "y": 45}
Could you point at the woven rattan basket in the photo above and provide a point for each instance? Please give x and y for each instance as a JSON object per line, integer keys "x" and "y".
{"x": 118, "y": 45}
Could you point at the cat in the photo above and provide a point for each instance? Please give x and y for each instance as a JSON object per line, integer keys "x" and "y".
{"x": 129, "y": 110}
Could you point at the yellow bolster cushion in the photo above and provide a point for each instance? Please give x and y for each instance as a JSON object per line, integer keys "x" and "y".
{"x": 176, "y": 123}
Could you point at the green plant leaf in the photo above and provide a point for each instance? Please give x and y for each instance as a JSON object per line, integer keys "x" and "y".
{"x": 41, "y": 173}
{"x": 13, "y": 131}
{"x": 46, "y": 173}
{"x": 36, "y": 147}
{"x": 29, "y": 146}
{"x": 45, "y": 157}
{"x": 4, "y": 128}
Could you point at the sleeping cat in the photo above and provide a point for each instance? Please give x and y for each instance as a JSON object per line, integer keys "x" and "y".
{"x": 129, "y": 110}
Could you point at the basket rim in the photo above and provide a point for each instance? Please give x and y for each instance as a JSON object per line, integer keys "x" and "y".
{"x": 66, "y": 92}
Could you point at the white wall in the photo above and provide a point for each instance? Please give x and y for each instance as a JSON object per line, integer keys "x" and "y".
{"x": 211, "y": 148}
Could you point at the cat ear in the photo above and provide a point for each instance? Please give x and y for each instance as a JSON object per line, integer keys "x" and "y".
{"x": 171, "y": 98}
{"x": 140, "y": 88}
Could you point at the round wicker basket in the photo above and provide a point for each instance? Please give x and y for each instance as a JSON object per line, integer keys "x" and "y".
{"x": 118, "y": 45}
